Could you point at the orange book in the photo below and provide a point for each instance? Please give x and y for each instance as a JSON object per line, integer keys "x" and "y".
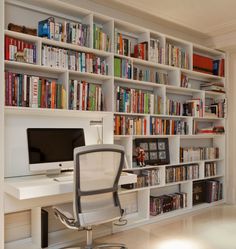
{"x": 43, "y": 93}
{"x": 53, "y": 94}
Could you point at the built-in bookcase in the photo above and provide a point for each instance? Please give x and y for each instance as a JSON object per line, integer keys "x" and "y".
{"x": 166, "y": 73}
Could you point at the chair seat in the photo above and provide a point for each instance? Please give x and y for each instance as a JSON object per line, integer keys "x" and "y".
{"x": 94, "y": 217}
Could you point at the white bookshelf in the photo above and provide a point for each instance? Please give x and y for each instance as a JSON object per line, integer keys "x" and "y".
{"x": 17, "y": 119}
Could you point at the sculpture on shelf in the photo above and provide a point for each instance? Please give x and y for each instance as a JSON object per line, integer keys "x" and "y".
{"x": 140, "y": 156}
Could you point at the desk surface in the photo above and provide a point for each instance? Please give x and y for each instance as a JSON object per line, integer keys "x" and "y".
{"x": 29, "y": 187}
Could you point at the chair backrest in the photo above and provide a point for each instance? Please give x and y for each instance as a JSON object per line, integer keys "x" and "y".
{"x": 97, "y": 169}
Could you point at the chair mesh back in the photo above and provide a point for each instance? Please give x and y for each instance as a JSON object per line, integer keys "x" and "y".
{"x": 97, "y": 172}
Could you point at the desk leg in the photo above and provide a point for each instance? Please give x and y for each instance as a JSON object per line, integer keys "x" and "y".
{"x": 36, "y": 226}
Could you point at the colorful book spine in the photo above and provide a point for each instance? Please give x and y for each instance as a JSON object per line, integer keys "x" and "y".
{"x": 101, "y": 40}
{"x": 73, "y": 60}
{"x": 125, "y": 125}
{"x": 150, "y": 75}
{"x": 177, "y": 56}
{"x": 173, "y": 107}
{"x": 85, "y": 96}
{"x": 157, "y": 53}
{"x": 19, "y": 50}
{"x": 133, "y": 100}
{"x": 70, "y": 32}
{"x": 190, "y": 154}
{"x": 167, "y": 203}
{"x": 32, "y": 91}
{"x": 122, "y": 44}
{"x": 182, "y": 173}
{"x": 122, "y": 68}
{"x": 160, "y": 126}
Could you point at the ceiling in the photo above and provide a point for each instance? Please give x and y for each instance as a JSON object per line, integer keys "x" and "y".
{"x": 210, "y": 17}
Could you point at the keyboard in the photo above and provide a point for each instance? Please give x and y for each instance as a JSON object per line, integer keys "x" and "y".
{"x": 64, "y": 178}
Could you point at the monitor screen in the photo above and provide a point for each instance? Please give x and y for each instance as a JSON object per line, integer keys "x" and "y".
{"x": 51, "y": 148}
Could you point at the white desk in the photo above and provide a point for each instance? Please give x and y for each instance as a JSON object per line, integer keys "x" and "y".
{"x": 36, "y": 192}
{"x": 31, "y": 187}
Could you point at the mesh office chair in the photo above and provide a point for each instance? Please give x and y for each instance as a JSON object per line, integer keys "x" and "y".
{"x": 97, "y": 169}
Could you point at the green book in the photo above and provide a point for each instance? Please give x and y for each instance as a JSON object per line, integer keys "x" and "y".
{"x": 117, "y": 67}
{"x": 39, "y": 92}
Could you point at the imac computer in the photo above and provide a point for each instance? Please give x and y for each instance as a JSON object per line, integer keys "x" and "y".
{"x": 51, "y": 149}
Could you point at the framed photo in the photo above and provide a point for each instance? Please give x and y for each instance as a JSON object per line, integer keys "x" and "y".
{"x": 156, "y": 151}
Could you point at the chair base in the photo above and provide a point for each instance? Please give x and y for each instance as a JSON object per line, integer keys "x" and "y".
{"x": 108, "y": 245}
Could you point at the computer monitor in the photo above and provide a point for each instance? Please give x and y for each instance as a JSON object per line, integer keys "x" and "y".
{"x": 52, "y": 149}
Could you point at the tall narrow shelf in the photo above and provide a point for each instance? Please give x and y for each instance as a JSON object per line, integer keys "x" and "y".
{"x": 155, "y": 72}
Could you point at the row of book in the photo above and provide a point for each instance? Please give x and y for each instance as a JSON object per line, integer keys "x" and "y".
{"x": 149, "y": 177}
{"x": 210, "y": 169}
{"x": 193, "y": 108}
{"x": 72, "y": 60}
{"x": 100, "y": 39}
{"x": 32, "y": 91}
{"x": 19, "y": 50}
{"x": 216, "y": 108}
{"x": 207, "y": 191}
{"x": 141, "y": 51}
{"x": 70, "y": 32}
{"x": 122, "y": 44}
{"x": 190, "y": 154}
{"x": 131, "y": 100}
{"x": 124, "y": 125}
{"x": 176, "y": 56}
{"x": 150, "y": 75}
{"x": 122, "y": 68}
{"x": 208, "y": 65}
{"x": 85, "y": 96}
{"x": 160, "y": 126}
{"x": 173, "y": 107}
{"x": 182, "y": 173}
{"x": 166, "y": 203}
{"x": 157, "y": 53}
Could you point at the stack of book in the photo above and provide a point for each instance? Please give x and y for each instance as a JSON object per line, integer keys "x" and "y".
{"x": 125, "y": 125}
{"x": 166, "y": 203}
{"x": 122, "y": 44}
{"x": 213, "y": 86}
{"x": 182, "y": 173}
{"x": 133, "y": 100}
{"x": 100, "y": 39}
{"x": 70, "y": 32}
{"x": 149, "y": 177}
{"x": 208, "y": 65}
{"x": 208, "y": 130}
{"x": 176, "y": 56}
{"x": 193, "y": 107}
{"x": 150, "y": 75}
{"x": 190, "y": 154}
{"x": 32, "y": 91}
{"x": 173, "y": 107}
{"x": 210, "y": 169}
{"x": 85, "y": 96}
{"x": 160, "y": 126}
{"x": 72, "y": 60}
{"x": 19, "y": 50}
{"x": 184, "y": 81}
{"x": 157, "y": 53}
{"x": 217, "y": 108}
{"x": 141, "y": 51}
{"x": 122, "y": 68}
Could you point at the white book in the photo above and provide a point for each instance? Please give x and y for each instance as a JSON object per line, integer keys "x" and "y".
{"x": 34, "y": 91}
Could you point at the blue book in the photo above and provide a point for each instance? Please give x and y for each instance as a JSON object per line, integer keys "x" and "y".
{"x": 44, "y": 27}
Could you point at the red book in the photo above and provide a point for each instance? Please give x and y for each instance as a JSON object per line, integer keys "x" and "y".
{"x": 43, "y": 94}
{"x": 53, "y": 94}
{"x": 7, "y": 43}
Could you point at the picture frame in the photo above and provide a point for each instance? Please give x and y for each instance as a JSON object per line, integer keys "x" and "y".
{"x": 156, "y": 150}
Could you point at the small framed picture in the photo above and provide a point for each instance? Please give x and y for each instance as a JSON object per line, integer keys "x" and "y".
{"x": 153, "y": 156}
{"x": 144, "y": 146}
{"x": 162, "y": 155}
{"x": 161, "y": 145}
{"x": 152, "y": 146}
